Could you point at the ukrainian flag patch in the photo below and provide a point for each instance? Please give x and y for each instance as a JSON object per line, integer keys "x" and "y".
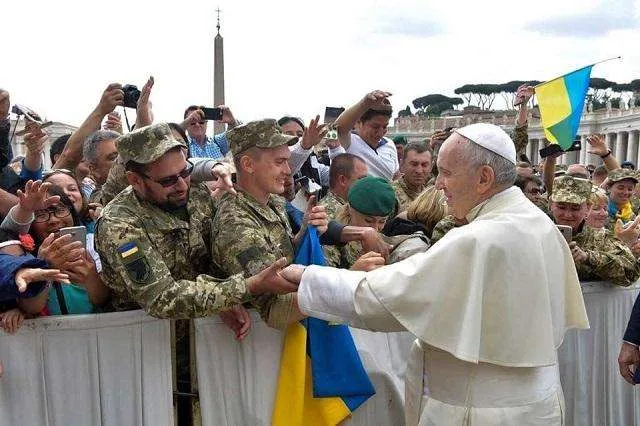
{"x": 128, "y": 249}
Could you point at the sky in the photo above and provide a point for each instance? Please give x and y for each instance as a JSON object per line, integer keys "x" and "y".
{"x": 294, "y": 57}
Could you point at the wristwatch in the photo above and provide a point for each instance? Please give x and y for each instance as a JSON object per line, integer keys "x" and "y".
{"x": 606, "y": 155}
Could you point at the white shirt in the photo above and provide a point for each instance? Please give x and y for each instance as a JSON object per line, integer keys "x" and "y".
{"x": 382, "y": 162}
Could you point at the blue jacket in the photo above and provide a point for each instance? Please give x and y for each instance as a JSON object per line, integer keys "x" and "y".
{"x": 9, "y": 265}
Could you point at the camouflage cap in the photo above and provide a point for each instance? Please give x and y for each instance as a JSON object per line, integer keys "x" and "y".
{"x": 621, "y": 174}
{"x": 147, "y": 144}
{"x": 261, "y": 134}
{"x": 569, "y": 189}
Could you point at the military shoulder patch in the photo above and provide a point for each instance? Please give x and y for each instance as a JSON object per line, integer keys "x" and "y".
{"x": 135, "y": 262}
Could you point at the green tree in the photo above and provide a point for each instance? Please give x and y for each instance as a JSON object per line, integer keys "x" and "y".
{"x": 405, "y": 112}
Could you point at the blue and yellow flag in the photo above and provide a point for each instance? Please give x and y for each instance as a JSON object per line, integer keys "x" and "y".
{"x": 561, "y": 102}
{"x": 322, "y": 380}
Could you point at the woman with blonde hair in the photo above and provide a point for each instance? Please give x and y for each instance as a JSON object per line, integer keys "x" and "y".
{"x": 428, "y": 208}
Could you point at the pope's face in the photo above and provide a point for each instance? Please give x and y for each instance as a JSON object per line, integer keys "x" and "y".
{"x": 459, "y": 183}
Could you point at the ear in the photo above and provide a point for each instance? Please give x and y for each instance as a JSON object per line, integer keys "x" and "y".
{"x": 134, "y": 179}
{"x": 247, "y": 164}
{"x": 487, "y": 177}
{"x": 342, "y": 180}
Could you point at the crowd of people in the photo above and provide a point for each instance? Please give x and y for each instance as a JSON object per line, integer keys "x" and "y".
{"x": 186, "y": 225}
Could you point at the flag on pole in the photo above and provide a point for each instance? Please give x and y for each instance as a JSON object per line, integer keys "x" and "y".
{"x": 561, "y": 101}
{"x": 322, "y": 380}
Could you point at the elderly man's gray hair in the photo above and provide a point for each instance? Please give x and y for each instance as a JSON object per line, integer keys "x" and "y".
{"x": 504, "y": 170}
{"x": 90, "y": 146}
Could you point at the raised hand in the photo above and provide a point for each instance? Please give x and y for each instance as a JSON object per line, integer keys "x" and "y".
{"x": 227, "y": 115}
{"x": 598, "y": 145}
{"x": 193, "y": 117}
{"x": 113, "y": 122}
{"x": 35, "y": 196}
{"x": 627, "y": 233}
{"x": 315, "y": 216}
{"x": 144, "y": 107}
{"x": 313, "y": 134}
{"x": 112, "y": 97}
{"x": 376, "y": 98}
{"x": 26, "y": 276}
{"x": 524, "y": 93}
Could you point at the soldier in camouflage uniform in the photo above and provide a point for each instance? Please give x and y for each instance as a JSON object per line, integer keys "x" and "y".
{"x": 416, "y": 172}
{"x": 344, "y": 171}
{"x": 598, "y": 255}
{"x": 370, "y": 201}
{"x": 251, "y": 230}
{"x": 153, "y": 238}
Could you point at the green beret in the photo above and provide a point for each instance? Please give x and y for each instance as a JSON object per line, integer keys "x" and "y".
{"x": 372, "y": 196}
{"x": 400, "y": 140}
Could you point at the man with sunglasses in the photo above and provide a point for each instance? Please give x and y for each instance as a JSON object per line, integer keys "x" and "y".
{"x": 201, "y": 145}
{"x": 153, "y": 237}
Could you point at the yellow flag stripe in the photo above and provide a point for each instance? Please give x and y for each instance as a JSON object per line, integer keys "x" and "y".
{"x": 554, "y": 103}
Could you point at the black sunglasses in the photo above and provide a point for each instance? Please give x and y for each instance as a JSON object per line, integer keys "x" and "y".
{"x": 168, "y": 181}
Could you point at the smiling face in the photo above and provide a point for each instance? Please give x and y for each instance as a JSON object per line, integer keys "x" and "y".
{"x": 358, "y": 219}
{"x": 598, "y": 215}
{"x": 569, "y": 214}
{"x": 373, "y": 129}
{"x": 458, "y": 181}
{"x": 621, "y": 191}
{"x": 269, "y": 168}
{"x": 69, "y": 186}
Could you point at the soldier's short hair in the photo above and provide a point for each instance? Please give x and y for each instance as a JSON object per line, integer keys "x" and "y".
{"x": 342, "y": 165}
{"x": 417, "y": 147}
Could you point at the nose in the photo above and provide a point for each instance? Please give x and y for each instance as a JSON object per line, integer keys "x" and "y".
{"x": 181, "y": 184}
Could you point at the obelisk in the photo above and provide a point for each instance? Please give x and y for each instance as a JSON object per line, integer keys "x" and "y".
{"x": 218, "y": 74}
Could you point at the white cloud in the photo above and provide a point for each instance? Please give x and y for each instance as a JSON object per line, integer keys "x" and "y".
{"x": 285, "y": 57}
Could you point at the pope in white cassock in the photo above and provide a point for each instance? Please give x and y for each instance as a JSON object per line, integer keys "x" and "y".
{"x": 489, "y": 303}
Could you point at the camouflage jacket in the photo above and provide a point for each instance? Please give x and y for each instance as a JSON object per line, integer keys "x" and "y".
{"x": 442, "y": 227}
{"x": 154, "y": 260}
{"x": 609, "y": 258}
{"x": 332, "y": 205}
{"x": 343, "y": 256}
{"x": 520, "y": 139}
{"x": 248, "y": 237}
{"x": 404, "y": 194}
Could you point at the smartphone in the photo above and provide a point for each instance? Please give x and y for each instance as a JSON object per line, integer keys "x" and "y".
{"x": 332, "y": 113}
{"x": 31, "y": 116}
{"x": 566, "y": 232}
{"x": 78, "y": 233}
{"x": 554, "y": 148}
{"x": 214, "y": 114}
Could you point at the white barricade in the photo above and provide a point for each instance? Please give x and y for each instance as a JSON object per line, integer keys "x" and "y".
{"x": 105, "y": 369}
{"x": 595, "y": 393}
{"x": 237, "y": 380}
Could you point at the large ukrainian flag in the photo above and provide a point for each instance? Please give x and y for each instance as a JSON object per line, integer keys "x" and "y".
{"x": 322, "y": 380}
{"x": 561, "y": 102}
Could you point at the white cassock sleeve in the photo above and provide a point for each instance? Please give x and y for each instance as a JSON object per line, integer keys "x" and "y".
{"x": 340, "y": 295}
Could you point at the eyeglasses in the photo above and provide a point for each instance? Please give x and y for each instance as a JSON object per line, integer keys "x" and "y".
{"x": 58, "y": 211}
{"x": 202, "y": 123}
{"x": 168, "y": 181}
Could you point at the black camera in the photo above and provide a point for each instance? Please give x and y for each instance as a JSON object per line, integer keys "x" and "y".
{"x": 131, "y": 96}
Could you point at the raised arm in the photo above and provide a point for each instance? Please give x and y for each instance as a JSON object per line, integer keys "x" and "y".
{"x": 345, "y": 122}
{"x": 72, "y": 153}
{"x": 599, "y": 147}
